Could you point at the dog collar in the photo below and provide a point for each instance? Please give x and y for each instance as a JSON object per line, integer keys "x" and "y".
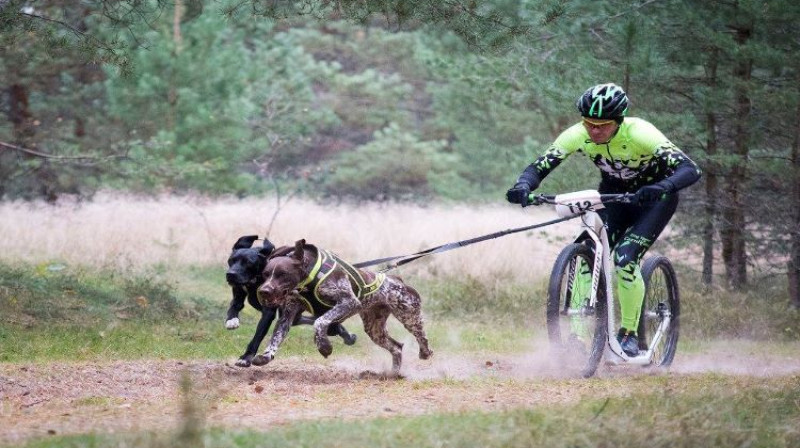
{"x": 314, "y": 272}
{"x": 324, "y": 265}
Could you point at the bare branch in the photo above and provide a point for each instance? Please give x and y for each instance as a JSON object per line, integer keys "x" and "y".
{"x": 787, "y": 158}
{"x": 80, "y": 34}
{"x": 44, "y": 155}
{"x": 639, "y": 6}
{"x": 459, "y": 6}
{"x": 633, "y": 8}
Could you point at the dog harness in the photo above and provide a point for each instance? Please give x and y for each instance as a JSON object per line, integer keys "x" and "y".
{"x": 324, "y": 265}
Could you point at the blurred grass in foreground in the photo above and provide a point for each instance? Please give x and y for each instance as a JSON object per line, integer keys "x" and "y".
{"x": 680, "y": 411}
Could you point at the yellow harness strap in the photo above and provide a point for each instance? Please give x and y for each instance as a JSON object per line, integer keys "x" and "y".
{"x": 362, "y": 288}
{"x": 311, "y": 275}
{"x": 324, "y": 265}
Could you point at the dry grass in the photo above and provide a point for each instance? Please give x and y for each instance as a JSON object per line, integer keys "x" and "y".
{"x": 130, "y": 232}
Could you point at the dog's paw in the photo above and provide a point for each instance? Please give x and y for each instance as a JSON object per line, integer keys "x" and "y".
{"x": 425, "y": 354}
{"x": 350, "y": 339}
{"x": 243, "y": 362}
{"x": 324, "y": 346}
{"x": 232, "y": 324}
{"x": 261, "y": 360}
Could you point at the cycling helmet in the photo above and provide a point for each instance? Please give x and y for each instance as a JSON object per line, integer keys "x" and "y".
{"x": 604, "y": 101}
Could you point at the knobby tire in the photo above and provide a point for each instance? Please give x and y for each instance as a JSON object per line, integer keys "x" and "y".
{"x": 581, "y": 353}
{"x": 661, "y": 286}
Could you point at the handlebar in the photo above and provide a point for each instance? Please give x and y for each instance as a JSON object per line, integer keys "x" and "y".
{"x": 624, "y": 198}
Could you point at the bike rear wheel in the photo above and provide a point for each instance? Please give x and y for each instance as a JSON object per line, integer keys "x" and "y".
{"x": 661, "y": 299}
{"x": 577, "y": 332}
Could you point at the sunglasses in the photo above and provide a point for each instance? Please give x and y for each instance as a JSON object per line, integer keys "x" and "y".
{"x": 598, "y": 123}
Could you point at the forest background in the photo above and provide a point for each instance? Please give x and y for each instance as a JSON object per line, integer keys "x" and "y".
{"x": 405, "y": 101}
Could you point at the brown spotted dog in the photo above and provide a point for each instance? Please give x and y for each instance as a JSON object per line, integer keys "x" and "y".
{"x": 307, "y": 278}
{"x": 245, "y": 266}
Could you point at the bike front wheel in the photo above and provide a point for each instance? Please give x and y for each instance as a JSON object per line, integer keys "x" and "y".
{"x": 661, "y": 301}
{"x": 577, "y": 331}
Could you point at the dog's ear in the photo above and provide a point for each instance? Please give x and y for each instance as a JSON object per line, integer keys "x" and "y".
{"x": 298, "y": 249}
{"x": 245, "y": 242}
{"x": 266, "y": 249}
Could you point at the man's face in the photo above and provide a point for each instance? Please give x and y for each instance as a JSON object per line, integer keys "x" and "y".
{"x": 600, "y": 131}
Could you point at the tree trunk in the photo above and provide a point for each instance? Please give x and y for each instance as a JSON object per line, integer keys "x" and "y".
{"x": 734, "y": 251}
{"x": 177, "y": 39}
{"x": 794, "y": 254}
{"x": 630, "y": 39}
{"x": 176, "y": 25}
{"x": 21, "y": 119}
{"x": 20, "y": 115}
{"x": 85, "y": 73}
{"x": 712, "y": 183}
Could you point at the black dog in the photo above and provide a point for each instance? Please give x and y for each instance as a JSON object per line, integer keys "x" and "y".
{"x": 244, "y": 276}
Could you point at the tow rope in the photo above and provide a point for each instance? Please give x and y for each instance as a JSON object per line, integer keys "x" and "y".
{"x": 404, "y": 259}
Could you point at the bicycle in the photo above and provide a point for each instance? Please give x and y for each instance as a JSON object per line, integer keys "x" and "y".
{"x": 581, "y": 315}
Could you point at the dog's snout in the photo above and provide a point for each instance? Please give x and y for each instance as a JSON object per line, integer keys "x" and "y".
{"x": 265, "y": 290}
{"x": 232, "y": 278}
{"x": 264, "y": 293}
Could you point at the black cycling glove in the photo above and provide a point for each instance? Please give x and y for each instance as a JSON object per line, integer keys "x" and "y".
{"x": 655, "y": 192}
{"x": 518, "y": 194}
{"x": 527, "y": 182}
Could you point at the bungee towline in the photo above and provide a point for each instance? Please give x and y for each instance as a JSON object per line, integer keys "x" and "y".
{"x": 404, "y": 259}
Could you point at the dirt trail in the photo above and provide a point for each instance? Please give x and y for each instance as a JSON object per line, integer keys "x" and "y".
{"x": 72, "y": 398}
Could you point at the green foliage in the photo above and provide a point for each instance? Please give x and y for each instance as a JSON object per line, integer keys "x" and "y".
{"x": 229, "y": 97}
{"x": 63, "y": 28}
{"x": 50, "y": 75}
{"x": 266, "y": 99}
{"x": 242, "y": 107}
{"x": 394, "y": 165}
{"x": 488, "y": 25}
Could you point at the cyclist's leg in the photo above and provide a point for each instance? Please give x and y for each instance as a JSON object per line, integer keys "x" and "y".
{"x": 649, "y": 220}
{"x": 630, "y": 285}
{"x": 619, "y": 219}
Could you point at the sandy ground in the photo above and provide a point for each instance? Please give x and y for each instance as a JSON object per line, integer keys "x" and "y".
{"x": 37, "y": 400}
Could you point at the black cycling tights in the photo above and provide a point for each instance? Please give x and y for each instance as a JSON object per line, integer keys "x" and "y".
{"x": 632, "y": 228}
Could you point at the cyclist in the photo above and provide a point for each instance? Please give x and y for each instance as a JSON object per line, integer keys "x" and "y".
{"x": 633, "y": 157}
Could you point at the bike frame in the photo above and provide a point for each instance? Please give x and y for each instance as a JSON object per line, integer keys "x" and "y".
{"x": 586, "y": 203}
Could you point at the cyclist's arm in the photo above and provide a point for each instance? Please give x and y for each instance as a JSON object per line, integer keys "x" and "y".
{"x": 684, "y": 171}
{"x": 565, "y": 144}
{"x": 680, "y": 170}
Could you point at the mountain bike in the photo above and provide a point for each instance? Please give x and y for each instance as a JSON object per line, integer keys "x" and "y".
{"x": 581, "y": 311}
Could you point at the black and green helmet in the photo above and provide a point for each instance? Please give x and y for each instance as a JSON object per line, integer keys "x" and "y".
{"x": 603, "y": 101}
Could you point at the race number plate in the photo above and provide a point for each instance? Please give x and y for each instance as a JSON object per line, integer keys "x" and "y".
{"x": 571, "y": 204}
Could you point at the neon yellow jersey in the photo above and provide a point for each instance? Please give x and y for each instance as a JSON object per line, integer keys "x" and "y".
{"x": 637, "y": 155}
